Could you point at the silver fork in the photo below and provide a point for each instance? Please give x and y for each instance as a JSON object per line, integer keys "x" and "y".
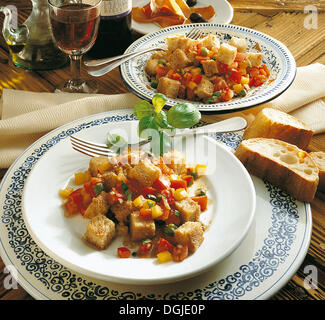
{"x": 114, "y": 62}
{"x": 94, "y": 149}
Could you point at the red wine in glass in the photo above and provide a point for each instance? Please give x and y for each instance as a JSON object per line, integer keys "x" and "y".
{"x": 75, "y": 27}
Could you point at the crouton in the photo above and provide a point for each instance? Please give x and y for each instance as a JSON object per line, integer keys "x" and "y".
{"x": 255, "y": 58}
{"x": 189, "y": 209}
{"x": 168, "y": 87}
{"x": 177, "y": 42}
{"x": 239, "y": 43}
{"x": 210, "y": 67}
{"x": 178, "y": 59}
{"x": 176, "y": 161}
{"x": 227, "y": 53}
{"x": 204, "y": 89}
{"x": 140, "y": 228}
{"x": 151, "y": 66}
{"x": 191, "y": 234}
{"x": 145, "y": 173}
{"x": 100, "y": 231}
{"x": 210, "y": 41}
{"x": 98, "y": 206}
{"x": 109, "y": 180}
{"x": 122, "y": 210}
{"x": 98, "y": 163}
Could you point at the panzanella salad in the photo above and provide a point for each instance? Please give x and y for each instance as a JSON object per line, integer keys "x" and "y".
{"x": 206, "y": 70}
{"x": 153, "y": 203}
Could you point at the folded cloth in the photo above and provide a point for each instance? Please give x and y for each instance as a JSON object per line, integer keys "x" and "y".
{"x": 26, "y": 116}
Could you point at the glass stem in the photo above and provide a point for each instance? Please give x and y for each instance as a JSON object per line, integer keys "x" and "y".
{"x": 75, "y": 68}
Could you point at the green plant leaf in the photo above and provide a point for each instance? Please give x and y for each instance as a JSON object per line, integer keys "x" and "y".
{"x": 184, "y": 115}
{"x": 159, "y": 100}
{"x": 146, "y": 127}
{"x": 143, "y": 109}
{"x": 115, "y": 142}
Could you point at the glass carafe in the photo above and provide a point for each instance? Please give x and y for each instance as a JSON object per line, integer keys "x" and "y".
{"x": 40, "y": 51}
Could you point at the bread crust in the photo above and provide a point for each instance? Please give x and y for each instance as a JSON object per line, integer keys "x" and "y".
{"x": 281, "y": 174}
{"x": 319, "y": 158}
{"x": 272, "y": 123}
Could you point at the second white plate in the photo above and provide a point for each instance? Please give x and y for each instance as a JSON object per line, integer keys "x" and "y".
{"x": 223, "y": 9}
{"x": 229, "y": 215}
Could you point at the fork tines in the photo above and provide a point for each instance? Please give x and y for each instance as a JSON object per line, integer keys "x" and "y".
{"x": 194, "y": 34}
{"x": 89, "y": 148}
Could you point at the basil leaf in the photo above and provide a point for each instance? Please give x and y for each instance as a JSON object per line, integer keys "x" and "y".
{"x": 161, "y": 120}
{"x": 184, "y": 115}
{"x": 145, "y": 127}
{"x": 98, "y": 188}
{"x": 115, "y": 142}
{"x": 143, "y": 109}
{"x": 158, "y": 101}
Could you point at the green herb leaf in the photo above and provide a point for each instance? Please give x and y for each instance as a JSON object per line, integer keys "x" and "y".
{"x": 159, "y": 100}
{"x": 161, "y": 120}
{"x": 124, "y": 186}
{"x": 144, "y": 124}
{"x": 98, "y": 188}
{"x": 170, "y": 229}
{"x": 115, "y": 142}
{"x": 129, "y": 195}
{"x": 184, "y": 115}
{"x": 177, "y": 213}
{"x": 146, "y": 241}
{"x": 143, "y": 109}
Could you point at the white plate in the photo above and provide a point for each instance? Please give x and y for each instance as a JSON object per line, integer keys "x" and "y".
{"x": 223, "y": 9}
{"x": 228, "y": 221}
{"x": 276, "y": 56}
{"x": 266, "y": 260}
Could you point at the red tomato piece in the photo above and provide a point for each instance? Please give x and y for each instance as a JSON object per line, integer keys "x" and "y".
{"x": 161, "y": 183}
{"x": 176, "y": 184}
{"x": 180, "y": 252}
{"x": 202, "y": 201}
{"x": 123, "y": 252}
{"x": 220, "y": 84}
{"x": 168, "y": 193}
{"x": 149, "y": 190}
{"x": 145, "y": 213}
{"x": 71, "y": 207}
{"x": 189, "y": 180}
{"x": 222, "y": 67}
{"x": 145, "y": 247}
{"x": 234, "y": 75}
{"x": 197, "y": 78}
{"x": 164, "y": 245}
{"x": 114, "y": 195}
{"x": 161, "y": 70}
{"x": 173, "y": 219}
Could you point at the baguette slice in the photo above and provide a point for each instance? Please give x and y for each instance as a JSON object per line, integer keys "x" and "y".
{"x": 272, "y": 123}
{"x": 319, "y": 158}
{"x": 282, "y": 164}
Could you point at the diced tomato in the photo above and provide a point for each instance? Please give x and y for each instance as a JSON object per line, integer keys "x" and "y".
{"x": 222, "y": 67}
{"x": 197, "y": 78}
{"x": 180, "y": 252}
{"x": 164, "y": 245}
{"x": 168, "y": 193}
{"x": 202, "y": 201}
{"x": 189, "y": 94}
{"x": 202, "y": 58}
{"x": 145, "y": 247}
{"x": 76, "y": 197}
{"x": 265, "y": 68}
{"x": 176, "y": 76}
{"x": 161, "y": 70}
{"x": 71, "y": 207}
{"x": 166, "y": 209}
{"x": 164, "y": 168}
{"x": 145, "y": 213}
{"x": 149, "y": 190}
{"x": 189, "y": 179}
{"x": 89, "y": 186}
{"x": 220, "y": 84}
{"x": 114, "y": 195}
{"x": 123, "y": 252}
{"x": 234, "y": 75}
{"x": 226, "y": 94}
{"x": 173, "y": 218}
{"x": 161, "y": 183}
{"x": 176, "y": 184}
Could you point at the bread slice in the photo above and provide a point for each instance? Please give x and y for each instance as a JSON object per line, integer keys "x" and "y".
{"x": 282, "y": 164}
{"x": 272, "y": 123}
{"x": 319, "y": 158}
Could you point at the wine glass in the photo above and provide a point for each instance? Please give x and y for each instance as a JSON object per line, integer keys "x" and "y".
{"x": 75, "y": 26}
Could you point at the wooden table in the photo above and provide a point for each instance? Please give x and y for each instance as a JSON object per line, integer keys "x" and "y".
{"x": 284, "y": 20}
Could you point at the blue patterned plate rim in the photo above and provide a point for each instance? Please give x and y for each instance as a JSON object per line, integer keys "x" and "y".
{"x": 276, "y": 55}
{"x": 84, "y": 288}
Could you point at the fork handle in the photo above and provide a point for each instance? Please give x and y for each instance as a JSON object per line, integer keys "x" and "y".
{"x": 228, "y": 125}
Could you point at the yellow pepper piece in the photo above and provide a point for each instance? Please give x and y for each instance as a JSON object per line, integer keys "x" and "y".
{"x": 164, "y": 256}
{"x": 192, "y": 85}
{"x": 64, "y": 193}
{"x": 196, "y": 71}
{"x": 81, "y": 177}
{"x": 244, "y": 80}
{"x": 156, "y": 211}
{"x": 180, "y": 194}
{"x": 237, "y": 88}
{"x": 200, "y": 169}
{"x": 149, "y": 204}
{"x": 139, "y": 201}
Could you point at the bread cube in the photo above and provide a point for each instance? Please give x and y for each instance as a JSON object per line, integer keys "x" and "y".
{"x": 204, "y": 89}
{"x": 189, "y": 209}
{"x": 96, "y": 163}
{"x": 122, "y": 210}
{"x": 177, "y": 42}
{"x": 168, "y": 87}
{"x": 140, "y": 228}
{"x": 176, "y": 161}
{"x": 227, "y": 53}
{"x": 109, "y": 179}
{"x": 255, "y": 58}
{"x": 145, "y": 173}
{"x": 151, "y": 66}
{"x": 191, "y": 234}
{"x": 178, "y": 59}
{"x": 100, "y": 231}
{"x": 239, "y": 43}
{"x": 210, "y": 67}
{"x": 210, "y": 41}
{"x": 98, "y": 206}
